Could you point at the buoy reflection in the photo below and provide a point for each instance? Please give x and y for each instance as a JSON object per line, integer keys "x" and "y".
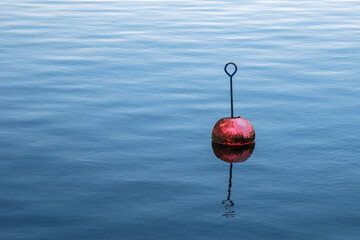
{"x": 232, "y": 154}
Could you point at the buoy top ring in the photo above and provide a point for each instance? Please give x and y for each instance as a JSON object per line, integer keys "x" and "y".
{"x": 225, "y": 68}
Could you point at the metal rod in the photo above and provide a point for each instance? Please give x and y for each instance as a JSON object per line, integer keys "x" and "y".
{"x": 231, "y": 87}
{"x": 231, "y": 98}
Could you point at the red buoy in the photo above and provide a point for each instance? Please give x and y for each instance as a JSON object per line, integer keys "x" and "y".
{"x": 233, "y": 130}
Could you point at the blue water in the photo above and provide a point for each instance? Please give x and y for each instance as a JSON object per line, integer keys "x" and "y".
{"x": 107, "y": 109}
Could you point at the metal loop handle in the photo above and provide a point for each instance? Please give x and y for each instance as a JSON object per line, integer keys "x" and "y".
{"x": 225, "y": 68}
{"x": 231, "y": 88}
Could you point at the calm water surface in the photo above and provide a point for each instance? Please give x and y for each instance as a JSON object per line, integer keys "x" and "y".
{"x": 107, "y": 109}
